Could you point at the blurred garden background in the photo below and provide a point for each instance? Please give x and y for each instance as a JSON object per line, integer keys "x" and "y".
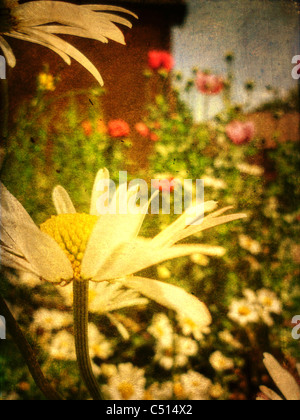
{"x": 203, "y": 90}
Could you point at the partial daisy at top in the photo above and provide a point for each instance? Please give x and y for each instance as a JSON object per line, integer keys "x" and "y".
{"x": 105, "y": 247}
{"x": 40, "y": 22}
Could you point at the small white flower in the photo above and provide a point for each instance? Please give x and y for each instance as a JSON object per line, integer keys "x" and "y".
{"x": 177, "y": 353}
{"x": 269, "y": 304}
{"x": 243, "y": 312}
{"x": 228, "y": 338}
{"x": 195, "y": 386}
{"x": 215, "y": 183}
{"x": 127, "y": 384}
{"x": 185, "y": 346}
{"x": 51, "y": 319}
{"x": 162, "y": 330}
{"x": 220, "y": 362}
{"x": 254, "y": 170}
{"x": 159, "y": 392}
{"x": 62, "y": 346}
{"x": 99, "y": 346}
{"x": 190, "y": 327}
{"x": 249, "y": 244}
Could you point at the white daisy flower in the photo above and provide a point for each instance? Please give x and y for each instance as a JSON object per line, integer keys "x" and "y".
{"x": 177, "y": 353}
{"x": 190, "y": 327}
{"x": 243, "y": 312}
{"x": 162, "y": 330}
{"x": 249, "y": 244}
{"x": 215, "y": 183}
{"x": 228, "y": 338}
{"x": 103, "y": 248}
{"x": 285, "y": 382}
{"x": 99, "y": 346}
{"x": 40, "y": 22}
{"x": 269, "y": 304}
{"x": 159, "y": 392}
{"x": 193, "y": 386}
{"x": 62, "y": 346}
{"x": 127, "y": 384}
{"x": 220, "y": 362}
{"x": 51, "y": 319}
{"x": 269, "y": 301}
{"x": 254, "y": 170}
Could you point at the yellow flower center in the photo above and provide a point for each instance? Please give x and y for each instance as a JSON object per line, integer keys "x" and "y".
{"x": 268, "y": 301}
{"x": 126, "y": 390}
{"x": 244, "y": 311}
{"x": 71, "y": 232}
{"x": 178, "y": 390}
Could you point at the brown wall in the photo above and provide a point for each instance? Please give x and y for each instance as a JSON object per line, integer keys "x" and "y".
{"x": 121, "y": 67}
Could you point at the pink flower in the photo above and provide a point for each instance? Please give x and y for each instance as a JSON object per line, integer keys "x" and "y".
{"x": 142, "y": 129}
{"x": 209, "y": 84}
{"x": 164, "y": 185}
{"x": 118, "y": 128}
{"x": 240, "y": 132}
{"x": 160, "y": 60}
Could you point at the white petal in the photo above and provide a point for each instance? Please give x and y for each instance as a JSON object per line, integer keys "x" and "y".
{"x": 44, "y": 12}
{"x": 9, "y": 55}
{"x": 140, "y": 254}
{"x": 104, "y": 8}
{"x": 39, "y": 249}
{"x": 36, "y": 40}
{"x": 62, "y": 201}
{"x": 120, "y": 327}
{"x": 68, "y": 30}
{"x": 13, "y": 261}
{"x": 171, "y": 297}
{"x": 110, "y": 232}
{"x": 68, "y": 49}
{"x": 208, "y": 222}
{"x": 270, "y": 394}
{"x": 97, "y": 192}
{"x": 166, "y": 236}
{"x": 282, "y": 378}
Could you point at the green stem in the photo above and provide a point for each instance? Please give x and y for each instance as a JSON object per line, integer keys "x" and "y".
{"x": 80, "y": 293}
{"x": 27, "y": 353}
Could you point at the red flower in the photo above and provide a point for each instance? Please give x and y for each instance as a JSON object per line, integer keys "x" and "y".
{"x": 154, "y": 137}
{"x": 87, "y": 127}
{"x": 160, "y": 60}
{"x": 142, "y": 129}
{"x": 164, "y": 185}
{"x": 118, "y": 128}
{"x": 209, "y": 84}
{"x": 240, "y": 132}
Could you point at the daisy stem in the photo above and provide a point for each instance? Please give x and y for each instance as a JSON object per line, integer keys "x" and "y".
{"x": 80, "y": 293}
{"x": 27, "y": 353}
